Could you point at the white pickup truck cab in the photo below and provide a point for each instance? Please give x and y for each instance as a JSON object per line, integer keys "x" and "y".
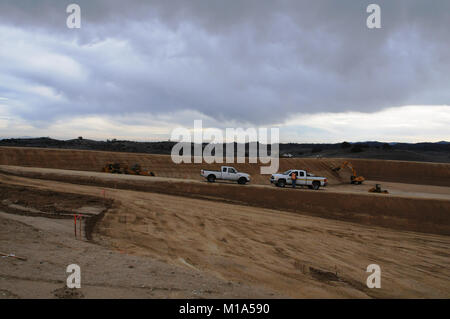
{"x": 303, "y": 179}
{"x": 226, "y": 173}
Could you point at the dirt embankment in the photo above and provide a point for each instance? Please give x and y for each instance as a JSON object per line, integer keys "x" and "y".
{"x": 404, "y": 213}
{"x": 380, "y": 170}
{"x": 30, "y": 201}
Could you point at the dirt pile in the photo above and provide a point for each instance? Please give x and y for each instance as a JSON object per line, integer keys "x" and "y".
{"x": 162, "y": 165}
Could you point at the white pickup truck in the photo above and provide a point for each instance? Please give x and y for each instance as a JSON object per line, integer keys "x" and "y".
{"x": 226, "y": 173}
{"x": 303, "y": 179}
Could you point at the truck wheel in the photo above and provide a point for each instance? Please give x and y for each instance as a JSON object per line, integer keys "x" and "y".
{"x": 242, "y": 181}
{"x": 316, "y": 185}
{"x": 211, "y": 178}
{"x": 281, "y": 183}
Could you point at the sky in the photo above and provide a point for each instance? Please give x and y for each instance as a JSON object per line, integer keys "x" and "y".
{"x": 139, "y": 69}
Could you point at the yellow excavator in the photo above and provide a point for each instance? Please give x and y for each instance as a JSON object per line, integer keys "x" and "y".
{"x": 354, "y": 179}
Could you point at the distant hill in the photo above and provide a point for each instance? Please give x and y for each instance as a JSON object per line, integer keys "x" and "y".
{"x": 426, "y": 152}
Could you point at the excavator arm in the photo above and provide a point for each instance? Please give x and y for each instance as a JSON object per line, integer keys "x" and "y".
{"x": 354, "y": 179}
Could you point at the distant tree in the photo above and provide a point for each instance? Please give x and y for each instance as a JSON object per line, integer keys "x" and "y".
{"x": 386, "y": 146}
{"x": 316, "y": 150}
{"x": 356, "y": 149}
{"x": 80, "y": 137}
{"x": 345, "y": 145}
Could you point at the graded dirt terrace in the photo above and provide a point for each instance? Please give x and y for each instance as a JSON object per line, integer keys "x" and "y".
{"x": 390, "y": 171}
{"x": 188, "y": 238}
{"x": 427, "y": 213}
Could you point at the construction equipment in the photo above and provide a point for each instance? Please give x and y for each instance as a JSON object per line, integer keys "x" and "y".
{"x": 354, "y": 178}
{"x": 115, "y": 168}
{"x": 118, "y": 168}
{"x": 137, "y": 170}
{"x": 377, "y": 189}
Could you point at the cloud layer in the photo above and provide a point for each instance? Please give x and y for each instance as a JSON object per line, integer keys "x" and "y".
{"x": 227, "y": 62}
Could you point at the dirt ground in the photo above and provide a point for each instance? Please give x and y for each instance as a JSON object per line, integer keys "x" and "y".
{"x": 163, "y": 237}
{"x": 427, "y": 213}
{"x": 258, "y": 252}
{"x": 49, "y": 246}
{"x": 397, "y": 189}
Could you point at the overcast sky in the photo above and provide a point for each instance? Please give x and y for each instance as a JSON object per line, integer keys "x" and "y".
{"x": 137, "y": 69}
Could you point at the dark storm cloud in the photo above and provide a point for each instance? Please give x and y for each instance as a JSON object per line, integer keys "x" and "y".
{"x": 250, "y": 61}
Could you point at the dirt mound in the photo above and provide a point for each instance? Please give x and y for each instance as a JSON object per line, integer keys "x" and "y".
{"x": 162, "y": 165}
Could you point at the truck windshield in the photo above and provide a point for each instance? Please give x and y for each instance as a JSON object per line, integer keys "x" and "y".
{"x": 287, "y": 172}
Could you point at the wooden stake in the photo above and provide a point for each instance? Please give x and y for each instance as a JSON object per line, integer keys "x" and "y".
{"x": 81, "y": 234}
{"x": 75, "y": 224}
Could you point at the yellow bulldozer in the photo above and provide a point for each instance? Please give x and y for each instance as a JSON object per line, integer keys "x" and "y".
{"x": 119, "y": 168}
{"x": 354, "y": 178}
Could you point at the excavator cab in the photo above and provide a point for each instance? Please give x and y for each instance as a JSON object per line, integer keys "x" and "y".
{"x": 356, "y": 179}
